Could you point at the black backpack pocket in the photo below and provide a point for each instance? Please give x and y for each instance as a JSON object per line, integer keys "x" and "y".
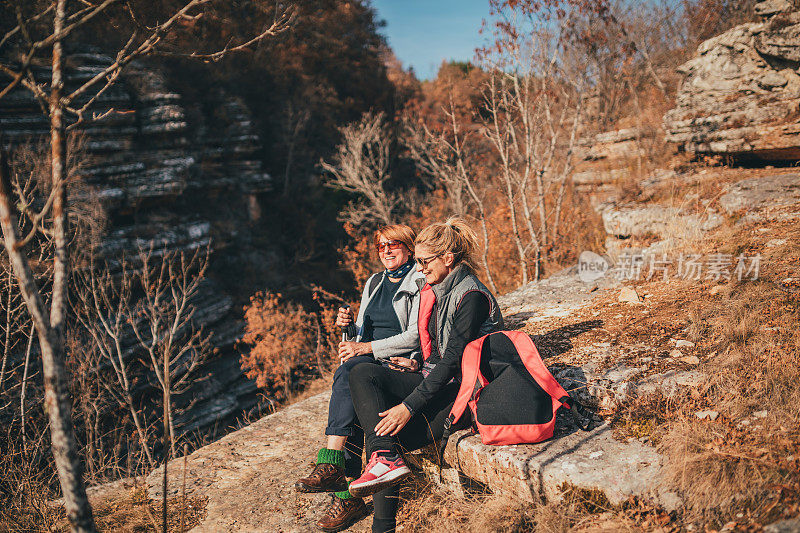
{"x": 513, "y": 397}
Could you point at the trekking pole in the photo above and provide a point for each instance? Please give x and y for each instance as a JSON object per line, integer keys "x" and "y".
{"x": 349, "y": 331}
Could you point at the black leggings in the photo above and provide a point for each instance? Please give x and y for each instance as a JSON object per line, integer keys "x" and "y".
{"x": 377, "y": 388}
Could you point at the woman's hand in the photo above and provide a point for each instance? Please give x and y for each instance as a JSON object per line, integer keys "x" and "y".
{"x": 344, "y": 318}
{"x": 404, "y": 364}
{"x": 348, "y": 349}
{"x": 393, "y": 421}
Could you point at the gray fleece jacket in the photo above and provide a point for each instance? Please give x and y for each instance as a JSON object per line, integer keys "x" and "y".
{"x": 406, "y": 306}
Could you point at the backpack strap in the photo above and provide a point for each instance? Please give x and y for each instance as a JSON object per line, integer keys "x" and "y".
{"x": 374, "y": 281}
{"x": 581, "y": 414}
{"x": 470, "y": 370}
{"x": 470, "y": 386}
{"x": 533, "y": 362}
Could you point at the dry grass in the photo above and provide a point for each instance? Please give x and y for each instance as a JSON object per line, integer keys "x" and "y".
{"x": 744, "y": 464}
{"x": 137, "y": 513}
{"x": 25, "y": 489}
{"x": 429, "y": 507}
{"x": 642, "y": 419}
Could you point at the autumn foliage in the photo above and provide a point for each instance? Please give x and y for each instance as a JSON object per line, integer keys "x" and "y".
{"x": 279, "y": 335}
{"x": 283, "y": 340}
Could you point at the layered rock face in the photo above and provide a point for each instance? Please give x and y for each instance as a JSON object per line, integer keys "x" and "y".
{"x": 741, "y": 93}
{"x": 170, "y": 178}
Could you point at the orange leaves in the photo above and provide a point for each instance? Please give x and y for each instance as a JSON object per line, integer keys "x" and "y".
{"x": 358, "y": 255}
{"x": 281, "y": 337}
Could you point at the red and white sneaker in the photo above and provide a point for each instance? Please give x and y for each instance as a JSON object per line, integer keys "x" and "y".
{"x": 380, "y": 473}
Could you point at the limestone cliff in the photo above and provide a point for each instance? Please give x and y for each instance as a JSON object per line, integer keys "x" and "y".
{"x": 172, "y": 177}
{"x": 741, "y": 93}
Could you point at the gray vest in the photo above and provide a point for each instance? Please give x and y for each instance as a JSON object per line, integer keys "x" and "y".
{"x": 449, "y": 294}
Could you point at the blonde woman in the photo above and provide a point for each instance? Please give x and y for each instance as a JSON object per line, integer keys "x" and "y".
{"x": 409, "y": 409}
{"x": 386, "y": 335}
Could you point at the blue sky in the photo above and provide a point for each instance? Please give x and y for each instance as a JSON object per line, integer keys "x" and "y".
{"x": 422, "y": 33}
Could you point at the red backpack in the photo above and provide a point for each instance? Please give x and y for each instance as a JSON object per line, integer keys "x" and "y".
{"x": 512, "y": 396}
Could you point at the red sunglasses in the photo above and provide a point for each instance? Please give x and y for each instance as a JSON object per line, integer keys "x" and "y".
{"x": 391, "y": 245}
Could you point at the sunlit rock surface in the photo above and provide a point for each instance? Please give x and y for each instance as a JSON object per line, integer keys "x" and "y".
{"x": 741, "y": 93}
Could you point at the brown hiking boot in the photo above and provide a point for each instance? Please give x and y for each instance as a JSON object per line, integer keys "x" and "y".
{"x": 342, "y": 514}
{"x": 325, "y": 477}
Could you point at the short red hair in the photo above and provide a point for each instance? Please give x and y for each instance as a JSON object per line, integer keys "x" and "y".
{"x": 397, "y": 232}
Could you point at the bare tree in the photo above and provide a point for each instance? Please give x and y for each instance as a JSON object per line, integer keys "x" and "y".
{"x": 361, "y": 166}
{"x": 63, "y": 18}
{"x": 50, "y": 329}
{"x": 534, "y": 105}
{"x": 105, "y": 304}
{"x": 162, "y": 322}
{"x": 448, "y": 158}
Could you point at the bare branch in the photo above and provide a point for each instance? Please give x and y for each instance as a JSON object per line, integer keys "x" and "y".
{"x": 279, "y": 24}
{"x": 110, "y": 80}
{"x": 61, "y": 33}
{"x": 361, "y": 166}
{"x": 32, "y": 19}
{"x": 18, "y": 77}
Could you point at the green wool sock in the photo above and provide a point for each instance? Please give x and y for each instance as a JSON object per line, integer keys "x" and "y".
{"x": 333, "y": 457}
{"x": 344, "y": 495}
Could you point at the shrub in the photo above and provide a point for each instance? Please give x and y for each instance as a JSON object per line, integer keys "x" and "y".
{"x": 281, "y": 337}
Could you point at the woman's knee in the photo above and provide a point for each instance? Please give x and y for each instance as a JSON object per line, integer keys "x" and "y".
{"x": 343, "y": 371}
{"x": 363, "y": 373}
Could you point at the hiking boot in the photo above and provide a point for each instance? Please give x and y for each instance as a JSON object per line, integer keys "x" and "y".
{"x": 384, "y": 469}
{"x": 325, "y": 477}
{"x": 342, "y": 514}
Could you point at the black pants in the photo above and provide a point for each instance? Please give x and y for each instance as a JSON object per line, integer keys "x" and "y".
{"x": 342, "y": 419}
{"x": 377, "y": 388}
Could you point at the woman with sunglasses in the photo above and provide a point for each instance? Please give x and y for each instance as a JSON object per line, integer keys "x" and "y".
{"x": 408, "y": 410}
{"x": 386, "y": 335}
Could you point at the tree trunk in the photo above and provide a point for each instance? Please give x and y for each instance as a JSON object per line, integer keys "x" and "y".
{"x": 51, "y": 339}
{"x": 140, "y": 430}
{"x": 24, "y": 390}
{"x": 56, "y": 396}
{"x": 567, "y": 169}
{"x": 166, "y": 438}
{"x": 287, "y": 384}
{"x": 50, "y": 330}
{"x": 318, "y": 351}
{"x": 7, "y": 340}
{"x": 485, "y": 254}
{"x": 540, "y": 200}
{"x": 523, "y": 260}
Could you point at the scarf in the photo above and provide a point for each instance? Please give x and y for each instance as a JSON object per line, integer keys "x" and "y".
{"x": 401, "y": 271}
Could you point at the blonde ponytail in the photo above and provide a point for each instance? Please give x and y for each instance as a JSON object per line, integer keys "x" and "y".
{"x": 455, "y": 236}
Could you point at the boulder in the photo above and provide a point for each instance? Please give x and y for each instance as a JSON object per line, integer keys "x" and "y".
{"x": 710, "y": 415}
{"x": 653, "y": 220}
{"x": 772, "y": 7}
{"x": 758, "y": 193}
{"x": 591, "y": 462}
{"x": 628, "y": 295}
{"x": 611, "y": 145}
{"x": 741, "y": 94}
{"x": 784, "y": 526}
{"x": 605, "y": 159}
